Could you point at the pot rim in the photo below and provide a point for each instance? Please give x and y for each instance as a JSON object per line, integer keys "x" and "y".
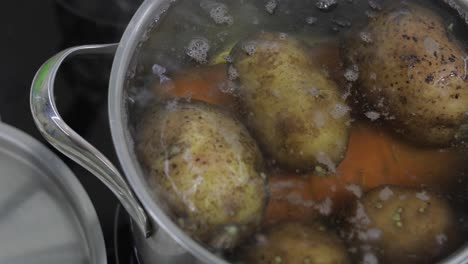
{"x": 148, "y": 13}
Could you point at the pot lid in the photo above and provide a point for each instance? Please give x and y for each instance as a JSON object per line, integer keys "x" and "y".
{"x": 45, "y": 214}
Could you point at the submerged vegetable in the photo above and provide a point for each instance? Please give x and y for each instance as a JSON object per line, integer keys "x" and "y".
{"x": 374, "y": 157}
{"x": 295, "y": 112}
{"x": 207, "y": 167}
{"x": 296, "y": 242}
{"x": 208, "y": 83}
{"x": 403, "y": 225}
{"x": 412, "y": 72}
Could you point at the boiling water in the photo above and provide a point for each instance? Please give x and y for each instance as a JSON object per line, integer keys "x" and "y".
{"x": 196, "y": 35}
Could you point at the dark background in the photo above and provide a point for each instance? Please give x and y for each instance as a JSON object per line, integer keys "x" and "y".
{"x": 32, "y": 32}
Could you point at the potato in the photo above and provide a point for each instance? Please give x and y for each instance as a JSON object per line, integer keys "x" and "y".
{"x": 296, "y": 242}
{"x": 207, "y": 167}
{"x": 412, "y": 72}
{"x": 403, "y": 225}
{"x": 292, "y": 108}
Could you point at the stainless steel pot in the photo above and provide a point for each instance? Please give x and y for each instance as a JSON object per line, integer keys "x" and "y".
{"x": 158, "y": 237}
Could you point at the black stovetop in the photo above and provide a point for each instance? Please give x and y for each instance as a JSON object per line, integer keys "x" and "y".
{"x": 33, "y": 31}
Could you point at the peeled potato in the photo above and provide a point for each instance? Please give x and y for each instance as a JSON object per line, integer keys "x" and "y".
{"x": 412, "y": 72}
{"x": 296, "y": 242}
{"x": 404, "y": 225}
{"x": 207, "y": 167}
{"x": 293, "y": 109}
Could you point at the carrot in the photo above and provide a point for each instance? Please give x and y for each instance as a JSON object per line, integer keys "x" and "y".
{"x": 202, "y": 84}
{"x": 374, "y": 157}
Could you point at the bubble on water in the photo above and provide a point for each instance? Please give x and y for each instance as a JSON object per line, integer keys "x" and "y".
{"x": 222, "y": 36}
{"x": 171, "y": 105}
{"x": 335, "y": 28}
{"x": 370, "y": 258}
{"x": 374, "y": 234}
{"x": 198, "y": 49}
{"x": 249, "y": 47}
{"x": 324, "y": 159}
{"x": 354, "y": 189}
{"x": 360, "y": 216}
{"x": 347, "y": 91}
{"x": 375, "y": 5}
{"x": 370, "y": 13}
{"x": 352, "y": 73}
{"x": 311, "y": 20}
{"x": 255, "y": 21}
{"x": 341, "y": 22}
{"x": 314, "y": 92}
{"x": 423, "y": 196}
{"x": 220, "y": 15}
{"x": 233, "y": 74}
{"x": 275, "y": 93}
{"x": 325, "y": 207}
{"x": 339, "y": 110}
{"x": 372, "y": 115}
{"x": 279, "y": 185}
{"x": 326, "y": 5}
{"x": 385, "y": 194}
{"x": 228, "y": 86}
{"x": 160, "y": 71}
{"x": 228, "y": 58}
{"x": 369, "y": 234}
{"x": 261, "y": 239}
{"x": 218, "y": 12}
{"x": 441, "y": 239}
{"x": 366, "y": 37}
{"x": 271, "y": 6}
{"x": 142, "y": 97}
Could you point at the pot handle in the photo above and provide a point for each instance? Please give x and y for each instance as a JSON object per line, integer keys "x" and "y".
{"x": 62, "y": 137}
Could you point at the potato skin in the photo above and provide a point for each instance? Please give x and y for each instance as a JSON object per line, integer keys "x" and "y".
{"x": 404, "y": 225}
{"x": 412, "y": 71}
{"x": 296, "y": 242}
{"x": 292, "y": 108}
{"x": 207, "y": 167}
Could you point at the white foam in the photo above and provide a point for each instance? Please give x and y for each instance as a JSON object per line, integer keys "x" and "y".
{"x": 249, "y": 47}
{"x": 352, "y": 73}
{"x": 233, "y": 74}
{"x": 441, "y": 239}
{"x": 218, "y": 12}
{"x": 324, "y": 159}
{"x": 271, "y": 6}
{"x": 370, "y": 258}
{"x": 366, "y": 37}
{"x": 372, "y": 115}
{"x": 423, "y": 196}
{"x": 385, "y": 194}
{"x": 311, "y": 20}
{"x": 198, "y": 49}
{"x": 339, "y": 110}
{"x": 326, "y": 5}
{"x": 354, "y": 189}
